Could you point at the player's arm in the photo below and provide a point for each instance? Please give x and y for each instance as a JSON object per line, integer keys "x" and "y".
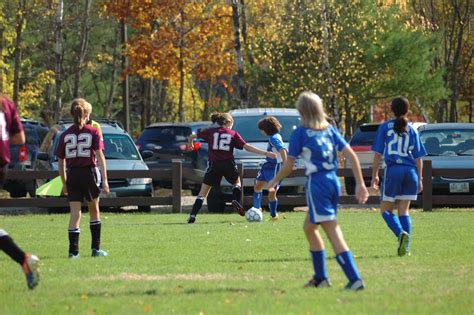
{"x": 190, "y": 141}
{"x": 361, "y": 191}
{"x": 284, "y": 155}
{"x": 18, "y": 138}
{"x": 375, "y": 170}
{"x": 251, "y": 148}
{"x": 62, "y": 174}
{"x": 101, "y": 159}
{"x": 285, "y": 170}
{"x": 419, "y": 170}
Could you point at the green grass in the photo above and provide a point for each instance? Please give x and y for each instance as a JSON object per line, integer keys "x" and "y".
{"x": 224, "y": 265}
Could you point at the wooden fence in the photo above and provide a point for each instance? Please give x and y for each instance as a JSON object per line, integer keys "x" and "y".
{"x": 426, "y": 200}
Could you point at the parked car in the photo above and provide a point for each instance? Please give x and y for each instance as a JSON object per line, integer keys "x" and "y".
{"x": 245, "y": 123}
{"x": 23, "y": 157}
{"x": 168, "y": 141}
{"x": 450, "y": 145}
{"x": 120, "y": 154}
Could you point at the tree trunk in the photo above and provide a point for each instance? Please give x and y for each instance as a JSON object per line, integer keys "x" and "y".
{"x": 125, "y": 83}
{"x": 59, "y": 57}
{"x": 238, "y": 55}
{"x": 83, "y": 43}
{"x": 347, "y": 117}
{"x": 327, "y": 64}
{"x": 2, "y": 43}
{"x": 181, "y": 85}
{"x": 20, "y": 19}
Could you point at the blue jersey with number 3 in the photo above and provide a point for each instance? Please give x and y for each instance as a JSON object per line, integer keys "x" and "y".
{"x": 398, "y": 149}
{"x": 317, "y": 148}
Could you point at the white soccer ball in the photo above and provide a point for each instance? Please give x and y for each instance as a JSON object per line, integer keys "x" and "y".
{"x": 254, "y": 215}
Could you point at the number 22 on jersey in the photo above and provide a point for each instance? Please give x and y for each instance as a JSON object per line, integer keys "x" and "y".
{"x": 78, "y": 145}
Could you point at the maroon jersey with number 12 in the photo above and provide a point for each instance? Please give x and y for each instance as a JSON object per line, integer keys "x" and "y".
{"x": 10, "y": 124}
{"x": 78, "y": 146}
{"x": 221, "y": 142}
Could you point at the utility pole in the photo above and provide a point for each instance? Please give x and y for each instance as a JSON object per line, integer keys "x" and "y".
{"x": 125, "y": 83}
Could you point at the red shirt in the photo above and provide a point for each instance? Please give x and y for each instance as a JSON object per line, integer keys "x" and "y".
{"x": 221, "y": 142}
{"x": 10, "y": 125}
{"x": 78, "y": 146}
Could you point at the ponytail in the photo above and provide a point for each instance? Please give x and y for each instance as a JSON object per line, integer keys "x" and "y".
{"x": 78, "y": 111}
{"x": 400, "y": 106}
{"x": 214, "y": 117}
{"x": 222, "y": 119}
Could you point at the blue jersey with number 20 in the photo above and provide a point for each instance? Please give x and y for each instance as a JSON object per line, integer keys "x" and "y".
{"x": 398, "y": 149}
{"x": 317, "y": 148}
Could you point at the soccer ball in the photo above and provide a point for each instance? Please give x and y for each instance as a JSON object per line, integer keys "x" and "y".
{"x": 254, "y": 215}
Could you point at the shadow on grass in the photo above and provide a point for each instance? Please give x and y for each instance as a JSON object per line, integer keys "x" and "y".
{"x": 179, "y": 290}
{"x": 294, "y": 259}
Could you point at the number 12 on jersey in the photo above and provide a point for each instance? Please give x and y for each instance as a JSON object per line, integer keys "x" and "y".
{"x": 221, "y": 141}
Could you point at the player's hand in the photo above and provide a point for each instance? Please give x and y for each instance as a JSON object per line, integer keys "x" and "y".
{"x": 362, "y": 194}
{"x": 420, "y": 185}
{"x": 65, "y": 190}
{"x": 271, "y": 155}
{"x": 105, "y": 187}
{"x": 375, "y": 183}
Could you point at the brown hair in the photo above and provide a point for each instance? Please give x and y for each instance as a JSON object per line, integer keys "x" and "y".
{"x": 78, "y": 111}
{"x": 400, "y": 106}
{"x": 310, "y": 107}
{"x": 222, "y": 119}
{"x": 270, "y": 125}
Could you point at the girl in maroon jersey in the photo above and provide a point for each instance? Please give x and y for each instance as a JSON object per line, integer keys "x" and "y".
{"x": 222, "y": 141}
{"x": 79, "y": 146}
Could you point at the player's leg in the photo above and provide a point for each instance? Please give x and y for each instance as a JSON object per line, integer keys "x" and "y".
{"x": 231, "y": 174}
{"x": 391, "y": 187}
{"x": 28, "y": 262}
{"x": 95, "y": 226}
{"x": 258, "y": 192}
{"x": 74, "y": 230}
{"x": 317, "y": 253}
{"x": 198, "y": 202}
{"x": 405, "y": 221}
{"x": 343, "y": 254}
{"x": 273, "y": 202}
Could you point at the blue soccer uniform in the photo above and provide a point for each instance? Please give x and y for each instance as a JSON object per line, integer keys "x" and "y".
{"x": 318, "y": 151}
{"x": 400, "y": 152}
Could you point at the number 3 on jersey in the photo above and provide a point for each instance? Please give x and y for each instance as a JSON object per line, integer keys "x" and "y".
{"x": 221, "y": 141}
{"x": 78, "y": 145}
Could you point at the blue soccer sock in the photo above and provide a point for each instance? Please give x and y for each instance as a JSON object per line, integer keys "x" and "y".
{"x": 257, "y": 199}
{"x": 405, "y": 221}
{"x": 273, "y": 207}
{"x": 392, "y": 222}
{"x": 319, "y": 264}
{"x": 346, "y": 261}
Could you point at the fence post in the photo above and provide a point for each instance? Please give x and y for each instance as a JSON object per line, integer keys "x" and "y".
{"x": 177, "y": 184}
{"x": 427, "y": 199}
{"x": 240, "y": 169}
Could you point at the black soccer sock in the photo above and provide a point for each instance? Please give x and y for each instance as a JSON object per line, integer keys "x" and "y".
{"x": 74, "y": 240}
{"x": 95, "y": 227}
{"x": 11, "y": 249}
{"x": 236, "y": 193}
{"x": 197, "y": 205}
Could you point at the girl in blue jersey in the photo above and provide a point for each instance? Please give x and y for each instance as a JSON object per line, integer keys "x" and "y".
{"x": 270, "y": 126}
{"x": 317, "y": 143}
{"x": 400, "y": 146}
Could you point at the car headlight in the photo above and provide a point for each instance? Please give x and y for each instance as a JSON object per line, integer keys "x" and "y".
{"x": 140, "y": 181}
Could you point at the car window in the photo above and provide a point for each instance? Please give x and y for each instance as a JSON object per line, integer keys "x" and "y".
{"x": 165, "y": 134}
{"x": 119, "y": 147}
{"x": 364, "y": 135}
{"x": 448, "y": 141}
{"x": 247, "y": 127}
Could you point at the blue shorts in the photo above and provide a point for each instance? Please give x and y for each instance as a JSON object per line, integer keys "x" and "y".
{"x": 268, "y": 172}
{"x": 322, "y": 195}
{"x": 400, "y": 182}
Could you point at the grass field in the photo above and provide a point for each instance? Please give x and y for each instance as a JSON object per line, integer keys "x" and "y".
{"x": 224, "y": 265}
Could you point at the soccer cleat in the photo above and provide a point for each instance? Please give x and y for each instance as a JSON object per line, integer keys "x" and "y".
{"x": 238, "y": 207}
{"x": 72, "y": 256}
{"x": 99, "y": 253}
{"x": 31, "y": 270}
{"x": 403, "y": 243}
{"x": 324, "y": 283}
{"x": 275, "y": 218}
{"x": 355, "y": 286}
{"x": 191, "y": 219}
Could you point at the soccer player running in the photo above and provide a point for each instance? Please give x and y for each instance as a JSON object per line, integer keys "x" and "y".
{"x": 400, "y": 146}
{"x": 222, "y": 141}
{"x": 317, "y": 143}
{"x": 80, "y": 146}
{"x": 270, "y": 126}
{"x": 11, "y": 132}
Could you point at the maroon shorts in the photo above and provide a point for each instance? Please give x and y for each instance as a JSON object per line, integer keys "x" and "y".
{"x": 217, "y": 169}
{"x": 82, "y": 182}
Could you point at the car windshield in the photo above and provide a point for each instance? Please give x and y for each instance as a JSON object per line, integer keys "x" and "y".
{"x": 247, "y": 127}
{"x": 119, "y": 147}
{"x": 448, "y": 141}
{"x": 165, "y": 134}
{"x": 364, "y": 135}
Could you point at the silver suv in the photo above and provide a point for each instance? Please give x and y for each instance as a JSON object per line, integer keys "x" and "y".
{"x": 245, "y": 123}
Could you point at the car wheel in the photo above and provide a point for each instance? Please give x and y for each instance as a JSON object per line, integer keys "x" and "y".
{"x": 195, "y": 191}
{"x": 350, "y": 185}
{"x": 144, "y": 208}
{"x": 215, "y": 200}
{"x": 17, "y": 192}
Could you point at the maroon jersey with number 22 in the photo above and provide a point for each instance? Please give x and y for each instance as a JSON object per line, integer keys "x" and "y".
{"x": 78, "y": 146}
{"x": 221, "y": 142}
